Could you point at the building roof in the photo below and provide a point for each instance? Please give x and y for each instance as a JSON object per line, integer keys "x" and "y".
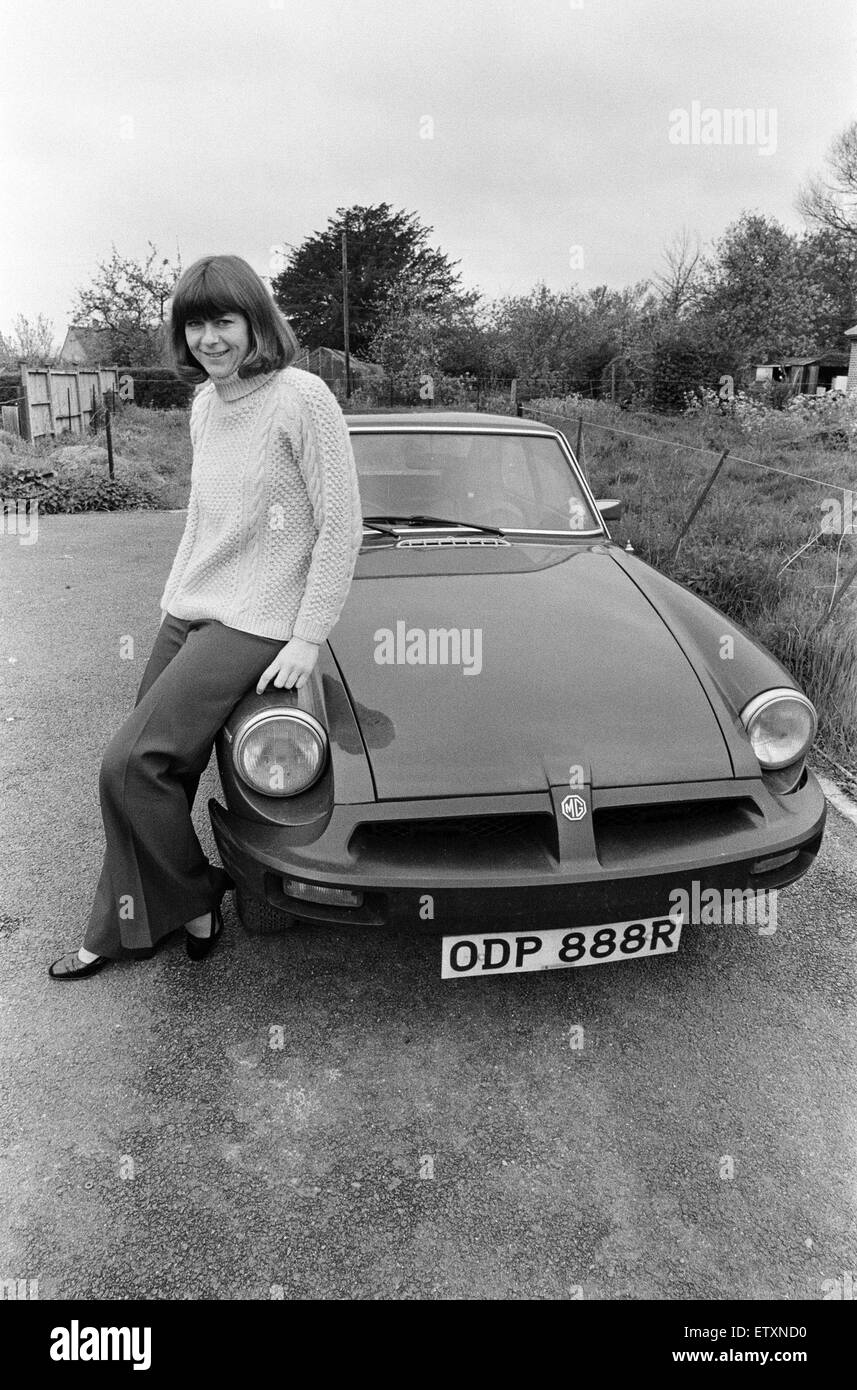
{"x": 339, "y": 354}
{"x": 831, "y": 357}
{"x": 86, "y": 337}
{"x": 94, "y": 341}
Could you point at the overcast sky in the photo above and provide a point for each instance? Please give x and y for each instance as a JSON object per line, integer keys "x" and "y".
{"x": 234, "y": 125}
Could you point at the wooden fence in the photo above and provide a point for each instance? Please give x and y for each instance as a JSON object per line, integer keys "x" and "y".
{"x": 52, "y": 401}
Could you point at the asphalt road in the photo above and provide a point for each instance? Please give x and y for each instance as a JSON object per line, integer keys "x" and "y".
{"x": 412, "y": 1137}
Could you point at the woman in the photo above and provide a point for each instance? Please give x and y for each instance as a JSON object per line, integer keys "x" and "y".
{"x": 262, "y": 571}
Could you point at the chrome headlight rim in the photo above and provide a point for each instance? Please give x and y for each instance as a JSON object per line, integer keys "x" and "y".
{"x": 777, "y": 695}
{"x": 254, "y": 722}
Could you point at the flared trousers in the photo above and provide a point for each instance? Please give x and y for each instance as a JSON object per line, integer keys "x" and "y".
{"x": 155, "y": 875}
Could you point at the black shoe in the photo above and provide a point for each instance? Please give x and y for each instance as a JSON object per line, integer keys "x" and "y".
{"x": 198, "y": 947}
{"x": 71, "y": 967}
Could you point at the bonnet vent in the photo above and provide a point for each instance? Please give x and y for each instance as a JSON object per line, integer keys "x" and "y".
{"x": 447, "y": 542}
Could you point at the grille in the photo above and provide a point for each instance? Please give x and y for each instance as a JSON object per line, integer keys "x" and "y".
{"x": 625, "y": 833}
{"x": 510, "y": 841}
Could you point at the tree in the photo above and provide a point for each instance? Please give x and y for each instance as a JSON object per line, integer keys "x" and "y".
{"x": 831, "y": 204}
{"x": 565, "y": 337}
{"x": 30, "y": 342}
{"x": 828, "y": 261}
{"x": 451, "y": 338}
{"x": 676, "y": 285}
{"x": 386, "y": 251}
{"x": 128, "y": 297}
{"x": 407, "y": 341}
{"x": 756, "y": 295}
{"x": 537, "y": 333}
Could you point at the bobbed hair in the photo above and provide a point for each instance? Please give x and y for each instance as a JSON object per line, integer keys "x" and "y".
{"x": 216, "y": 285}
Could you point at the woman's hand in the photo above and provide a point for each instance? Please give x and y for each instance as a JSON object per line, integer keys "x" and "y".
{"x": 291, "y": 667}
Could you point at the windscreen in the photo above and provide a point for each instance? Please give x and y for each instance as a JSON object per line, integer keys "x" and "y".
{"x": 519, "y": 482}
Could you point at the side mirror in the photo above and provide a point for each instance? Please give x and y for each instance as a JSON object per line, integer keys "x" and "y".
{"x": 610, "y": 507}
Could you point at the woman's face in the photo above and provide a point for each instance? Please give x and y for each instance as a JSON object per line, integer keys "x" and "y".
{"x": 221, "y": 344}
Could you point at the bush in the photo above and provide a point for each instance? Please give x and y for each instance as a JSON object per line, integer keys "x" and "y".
{"x": 763, "y": 413}
{"x": 86, "y": 490}
{"x": 158, "y": 388}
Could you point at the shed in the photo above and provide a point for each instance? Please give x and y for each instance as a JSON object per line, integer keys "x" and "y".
{"x": 852, "y": 363}
{"x": 808, "y": 376}
{"x": 329, "y": 364}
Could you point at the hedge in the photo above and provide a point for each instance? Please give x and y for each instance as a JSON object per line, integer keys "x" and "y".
{"x": 158, "y": 388}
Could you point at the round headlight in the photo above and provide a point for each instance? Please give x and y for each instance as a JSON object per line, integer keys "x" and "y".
{"x": 780, "y": 725}
{"x": 280, "y": 752}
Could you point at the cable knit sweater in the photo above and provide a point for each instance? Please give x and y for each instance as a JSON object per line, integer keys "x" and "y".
{"x": 274, "y": 523}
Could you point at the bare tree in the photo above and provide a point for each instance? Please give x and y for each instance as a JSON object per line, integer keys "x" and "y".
{"x": 128, "y": 297}
{"x": 676, "y": 285}
{"x": 831, "y": 202}
{"x": 30, "y": 342}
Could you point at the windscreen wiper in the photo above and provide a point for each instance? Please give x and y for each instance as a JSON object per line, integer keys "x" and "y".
{"x": 381, "y": 523}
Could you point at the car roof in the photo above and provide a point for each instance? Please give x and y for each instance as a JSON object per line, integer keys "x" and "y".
{"x": 446, "y": 419}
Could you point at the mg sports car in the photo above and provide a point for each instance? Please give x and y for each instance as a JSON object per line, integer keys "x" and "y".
{"x": 519, "y": 736}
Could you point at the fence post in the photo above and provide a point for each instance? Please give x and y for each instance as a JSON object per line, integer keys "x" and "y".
{"x": 578, "y": 448}
{"x": 109, "y": 429}
{"x": 26, "y": 418}
{"x": 51, "y": 412}
{"x": 698, "y": 503}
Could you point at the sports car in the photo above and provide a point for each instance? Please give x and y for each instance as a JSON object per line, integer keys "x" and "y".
{"x": 519, "y": 735}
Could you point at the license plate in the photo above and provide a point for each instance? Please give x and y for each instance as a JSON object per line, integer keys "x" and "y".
{"x": 506, "y": 953}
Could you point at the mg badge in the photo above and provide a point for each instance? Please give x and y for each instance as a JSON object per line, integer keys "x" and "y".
{"x": 573, "y": 807}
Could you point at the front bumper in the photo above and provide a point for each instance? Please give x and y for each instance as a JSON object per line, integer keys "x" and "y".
{"x": 518, "y": 861}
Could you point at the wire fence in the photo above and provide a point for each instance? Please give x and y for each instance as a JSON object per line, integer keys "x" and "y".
{"x": 462, "y": 391}
{"x": 575, "y": 426}
{"x": 537, "y": 413}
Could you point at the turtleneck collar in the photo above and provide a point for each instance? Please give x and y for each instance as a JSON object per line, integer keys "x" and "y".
{"x": 233, "y": 387}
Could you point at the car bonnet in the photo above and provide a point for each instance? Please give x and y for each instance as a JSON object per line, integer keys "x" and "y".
{"x": 482, "y": 683}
